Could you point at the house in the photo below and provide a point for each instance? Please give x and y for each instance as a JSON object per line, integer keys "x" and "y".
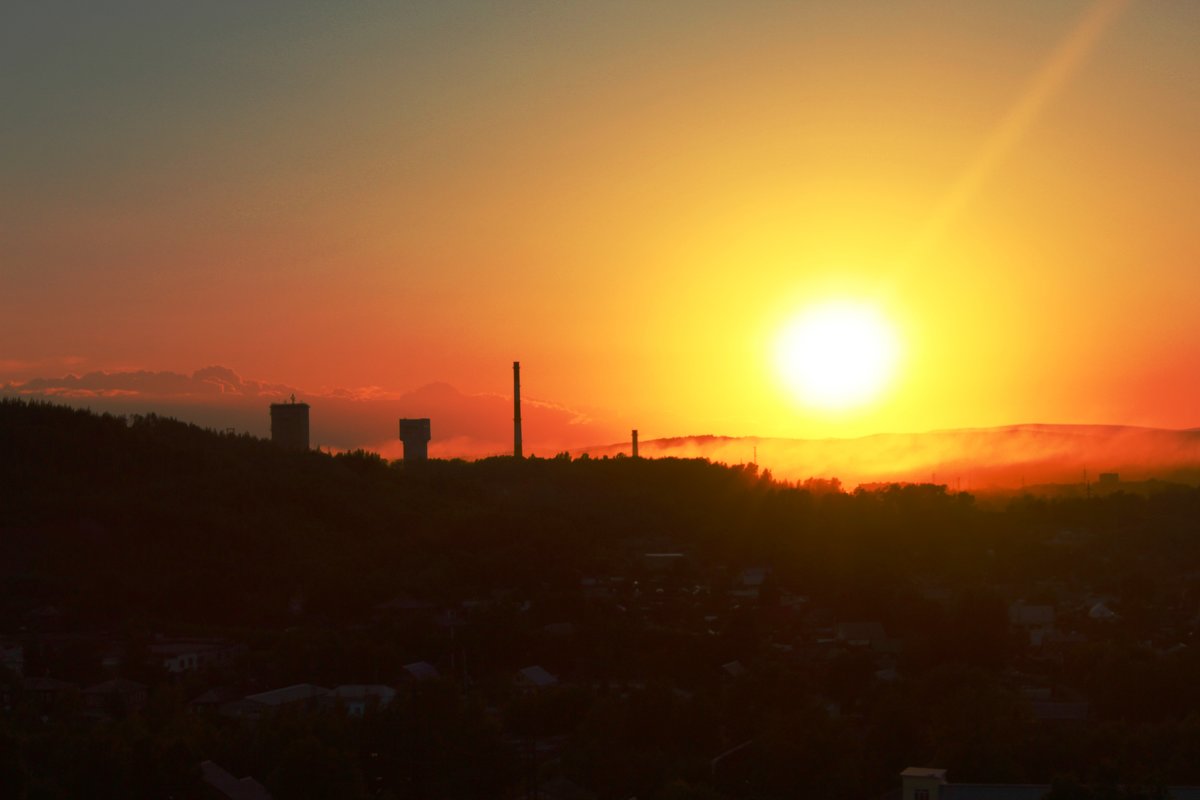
{"x": 748, "y": 583}
{"x": 921, "y": 783}
{"x": 304, "y": 695}
{"x": 1061, "y": 640}
{"x": 663, "y": 562}
{"x": 1060, "y": 710}
{"x": 1031, "y": 616}
{"x": 356, "y": 699}
{"x": 221, "y": 784}
{"x": 405, "y": 607}
{"x": 448, "y": 621}
{"x": 113, "y": 656}
{"x": 45, "y": 619}
{"x": 926, "y": 783}
{"x": 734, "y": 669}
{"x": 242, "y": 709}
{"x": 861, "y": 634}
{"x": 116, "y": 697}
{"x": 421, "y": 671}
{"x": 190, "y": 655}
{"x": 1036, "y": 620}
{"x": 792, "y": 602}
{"x": 48, "y": 694}
{"x": 559, "y": 788}
{"x": 535, "y": 678}
{"x": 867, "y": 634}
{"x": 12, "y": 657}
{"x": 213, "y": 699}
{"x": 753, "y": 576}
{"x": 598, "y": 588}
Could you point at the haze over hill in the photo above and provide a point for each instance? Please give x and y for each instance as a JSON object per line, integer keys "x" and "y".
{"x": 973, "y": 459}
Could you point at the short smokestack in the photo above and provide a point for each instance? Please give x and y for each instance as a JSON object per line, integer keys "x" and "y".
{"x": 517, "y": 452}
{"x": 635, "y": 454}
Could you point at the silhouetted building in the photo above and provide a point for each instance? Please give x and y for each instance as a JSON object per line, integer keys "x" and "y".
{"x": 420, "y": 671}
{"x": 534, "y": 678}
{"x": 221, "y": 783}
{"x": 927, "y": 783}
{"x": 300, "y": 695}
{"x": 635, "y": 450}
{"x": 356, "y": 699}
{"x": 117, "y": 697}
{"x": 289, "y": 425}
{"x": 415, "y": 433}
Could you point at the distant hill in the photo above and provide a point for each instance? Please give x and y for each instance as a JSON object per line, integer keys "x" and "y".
{"x": 970, "y": 459}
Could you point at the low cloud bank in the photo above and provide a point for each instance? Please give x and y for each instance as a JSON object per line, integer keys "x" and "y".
{"x": 971, "y": 460}
{"x": 464, "y": 425}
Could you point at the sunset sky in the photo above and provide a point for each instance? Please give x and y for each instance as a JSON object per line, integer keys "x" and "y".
{"x": 634, "y": 199}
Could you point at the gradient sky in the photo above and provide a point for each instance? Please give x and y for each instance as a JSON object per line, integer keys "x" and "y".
{"x": 631, "y": 198}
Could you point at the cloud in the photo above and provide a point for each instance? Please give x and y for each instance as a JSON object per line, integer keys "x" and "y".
{"x": 206, "y": 382}
{"x": 23, "y": 368}
{"x": 464, "y": 425}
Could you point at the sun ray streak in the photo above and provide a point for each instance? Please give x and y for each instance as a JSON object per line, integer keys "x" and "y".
{"x": 1062, "y": 65}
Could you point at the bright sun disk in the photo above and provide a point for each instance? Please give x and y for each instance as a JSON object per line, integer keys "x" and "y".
{"x": 837, "y": 355}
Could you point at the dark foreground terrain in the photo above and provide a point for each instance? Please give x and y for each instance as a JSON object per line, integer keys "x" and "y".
{"x": 337, "y": 626}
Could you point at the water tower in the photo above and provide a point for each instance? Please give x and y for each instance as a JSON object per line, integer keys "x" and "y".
{"x": 415, "y": 433}
{"x": 289, "y": 425}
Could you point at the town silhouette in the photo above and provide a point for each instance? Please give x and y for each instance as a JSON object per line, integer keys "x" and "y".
{"x": 189, "y": 608}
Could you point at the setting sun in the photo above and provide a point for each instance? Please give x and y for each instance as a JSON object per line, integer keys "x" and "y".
{"x": 837, "y": 355}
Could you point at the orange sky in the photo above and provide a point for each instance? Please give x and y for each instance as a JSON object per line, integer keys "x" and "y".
{"x": 631, "y": 198}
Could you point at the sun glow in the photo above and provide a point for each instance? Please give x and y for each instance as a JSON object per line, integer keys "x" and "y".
{"x": 837, "y": 355}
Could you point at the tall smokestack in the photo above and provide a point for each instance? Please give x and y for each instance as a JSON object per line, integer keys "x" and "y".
{"x": 635, "y": 455}
{"x": 517, "y": 410}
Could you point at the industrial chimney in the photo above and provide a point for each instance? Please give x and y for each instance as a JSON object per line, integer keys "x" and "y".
{"x": 635, "y": 453}
{"x": 517, "y": 453}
